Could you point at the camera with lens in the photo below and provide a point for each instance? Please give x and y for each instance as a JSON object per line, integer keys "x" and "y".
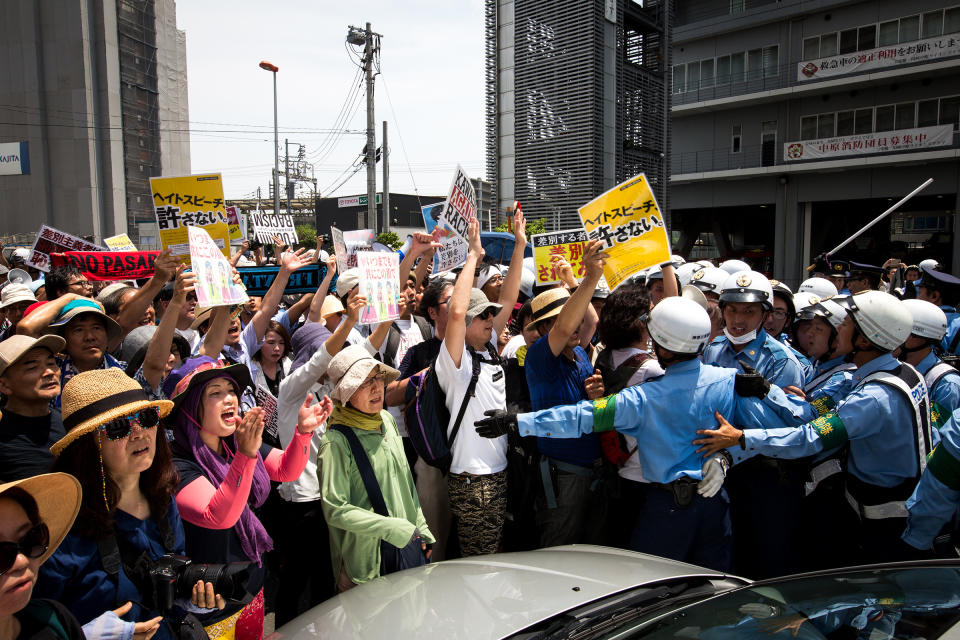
{"x": 174, "y": 576}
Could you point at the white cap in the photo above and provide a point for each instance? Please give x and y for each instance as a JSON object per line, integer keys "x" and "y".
{"x": 822, "y": 287}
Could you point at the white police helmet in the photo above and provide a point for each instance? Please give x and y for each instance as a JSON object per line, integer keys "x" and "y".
{"x": 929, "y": 320}
{"x": 679, "y": 325}
{"x": 685, "y": 272}
{"x": 747, "y": 286}
{"x": 881, "y": 318}
{"x": 827, "y": 309}
{"x": 822, "y": 287}
{"x": 929, "y": 265}
{"x": 709, "y": 279}
{"x": 733, "y": 266}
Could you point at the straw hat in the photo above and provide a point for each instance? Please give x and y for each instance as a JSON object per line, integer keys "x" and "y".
{"x": 14, "y": 293}
{"x": 84, "y": 305}
{"x": 330, "y": 306}
{"x": 547, "y": 305}
{"x": 197, "y": 371}
{"x": 15, "y": 347}
{"x": 58, "y": 500}
{"x": 201, "y": 316}
{"x": 94, "y": 398}
{"x": 350, "y": 368}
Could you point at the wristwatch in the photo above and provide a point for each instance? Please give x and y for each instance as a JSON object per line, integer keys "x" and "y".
{"x": 743, "y": 440}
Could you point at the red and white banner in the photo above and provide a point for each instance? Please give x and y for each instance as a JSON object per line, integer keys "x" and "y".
{"x": 880, "y": 142}
{"x": 880, "y": 58}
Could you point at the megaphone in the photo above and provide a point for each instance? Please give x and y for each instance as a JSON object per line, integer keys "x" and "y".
{"x": 19, "y": 276}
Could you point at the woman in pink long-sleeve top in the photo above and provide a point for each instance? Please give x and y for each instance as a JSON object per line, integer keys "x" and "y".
{"x": 225, "y": 472}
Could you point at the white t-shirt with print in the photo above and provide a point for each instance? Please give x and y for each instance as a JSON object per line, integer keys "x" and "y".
{"x": 409, "y": 335}
{"x": 632, "y": 469}
{"x": 473, "y": 453}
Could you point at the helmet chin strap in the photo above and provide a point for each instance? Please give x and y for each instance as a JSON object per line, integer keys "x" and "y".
{"x": 904, "y": 350}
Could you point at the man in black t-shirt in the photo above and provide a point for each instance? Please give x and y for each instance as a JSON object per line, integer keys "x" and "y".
{"x": 29, "y": 380}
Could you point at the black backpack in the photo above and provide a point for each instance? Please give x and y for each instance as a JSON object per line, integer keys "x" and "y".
{"x": 393, "y": 338}
{"x": 427, "y": 416}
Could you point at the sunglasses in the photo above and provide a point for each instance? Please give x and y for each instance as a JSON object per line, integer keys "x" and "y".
{"x": 33, "y": 544}
{"x": 120, "y": 428}
{"x": 486, "y": 314}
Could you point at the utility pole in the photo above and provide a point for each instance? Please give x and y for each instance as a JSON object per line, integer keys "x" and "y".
{"x": 286, "y": 171}
{"x": 368, "y": 52}
{"x": 386, "y": 180}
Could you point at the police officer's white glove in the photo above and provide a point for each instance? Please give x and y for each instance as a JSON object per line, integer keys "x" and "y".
{"x": 714, "y": 471}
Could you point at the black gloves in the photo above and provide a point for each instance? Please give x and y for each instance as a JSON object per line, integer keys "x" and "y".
{"x": 751, "y": 384}
{"x": 497, "y": 423}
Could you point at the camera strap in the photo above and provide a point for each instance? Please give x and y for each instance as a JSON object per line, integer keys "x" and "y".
{"x": 113, "y": 559}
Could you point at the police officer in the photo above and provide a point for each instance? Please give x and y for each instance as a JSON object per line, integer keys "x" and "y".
{"x": 821, "y": 332}
{"x": 864, "y": 277}
{"x": 780, "y": 320}
{"x": 820, "y": 287}
{"x": 937, "y": 496}
{"x": 943, "y": 290}
{"x": 885, "y": 422}
{"x": 943, "y": 382}
{"x": 764, "y": 493}
{"x": 684, "y": 514}
{"x": 710, "y": 281}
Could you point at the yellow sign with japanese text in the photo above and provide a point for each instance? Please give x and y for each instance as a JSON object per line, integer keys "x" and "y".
{"x": 190, "y": 201}
{"x": 569, "y": 245}
{"x": 628, "y": 221}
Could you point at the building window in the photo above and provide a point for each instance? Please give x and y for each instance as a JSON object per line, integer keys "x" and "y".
{"x": 950, "y": 111}
{"x": 909, "y": 29}
{"x": 845, "y": 123}
{"x": 737, "y": 6}
{"x": 825, "y": 125}
{"x": 828, "y": 45}
{"x": 693, "y": 76}
{"x": 889, "y": 33}
{"x": 771, "y": 61}
{"x": 735, "y": 135}
{"x": 706, "y": 73}
{"x": 679, "y": 78}
{"x": 811, "y": 48}
{"x": 808, "y": 128}
{"x": 906, "y": 115}
{"x": 951, "y": 20}
{"x": 863, "y": 122}
{"x": 848, "y": 41}
{"x": 932, "y": 24}
{"x": 736, "y": 67}
{"x": 768, "y": 143}
{"x": 885, "y": 118}
{"x": 754, "y": 64}
{"x": 867, "y": 38}
{"x": 927, "y": 113}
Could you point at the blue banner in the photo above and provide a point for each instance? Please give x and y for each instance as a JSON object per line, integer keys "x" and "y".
{"x": 304, "y": 280}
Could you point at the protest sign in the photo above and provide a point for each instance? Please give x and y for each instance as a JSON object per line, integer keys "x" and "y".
{"x": 120, "y": 242}
{"x": 180, "y": 202}
{"x": 451, "y": 228}
{"x": 431, "y": 215}
{"x": 380, "y": 283}
{"x": 307, "y": 279}
{"x": 215, "y": 285}
{"x": 50, "y": 240}
{"x": 567, "y": 244}
{"x": 108, "y": 265}
{"x": 267, "y": 225}
{"x": 267, "y": 402}
{"x": 628, "y": 221}
{"x": 346, "y": 244}
{"x": 238, "y": 230}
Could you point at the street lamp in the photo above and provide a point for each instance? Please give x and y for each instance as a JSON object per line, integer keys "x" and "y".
{"x": 272, "y": 68}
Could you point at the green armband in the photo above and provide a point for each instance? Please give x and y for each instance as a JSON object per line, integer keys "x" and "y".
{"x": 831, "y": 430}
{"x": 944, "y": 467}
{"x": 823, "y": 405}
{"x": 604, "y": 410}
{"x": 938, "y": 416}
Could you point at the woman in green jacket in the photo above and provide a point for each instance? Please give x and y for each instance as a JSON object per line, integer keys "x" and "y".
{"x": 367, "y": 533}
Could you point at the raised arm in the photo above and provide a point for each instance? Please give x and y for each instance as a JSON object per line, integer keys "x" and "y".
{"x": 313, "y": 315}
{"x": 670, "y": 287}
{"x": 422, "y": 244}
{"x": 164, "y": 268}
{"x": 158, "y": 351}
{"x": 289, "y": 262}
{"x": 511, "y": 285}
{"x": 571, "y": 315}
{"x": 235, "y": 258}
{"x": 40, "y": 318}
{"x": 216, "y": 335}
{"x": 297, "y": 308}
{"x": 460, "y": 298}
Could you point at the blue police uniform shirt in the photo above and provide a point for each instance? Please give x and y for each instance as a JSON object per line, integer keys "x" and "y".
{"x": 664, "y": 414}
{"x": 805, "y": 365}
{"x": 75, "y": 577}
{"x": 772, "y": 360}
{"x": 877, "y": 422}
{"x": 953, "y": 327}
{"x": 937, "y": 496}
{"x": 557, "y": 380}
{"x": 946, "y": 392}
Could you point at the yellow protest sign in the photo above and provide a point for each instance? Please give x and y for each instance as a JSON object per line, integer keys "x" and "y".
{"x": 628, "y": 221}
{"x": 187, "y": 201}
{"x": 120, "y": 242}
{"x": 567, "y": 244}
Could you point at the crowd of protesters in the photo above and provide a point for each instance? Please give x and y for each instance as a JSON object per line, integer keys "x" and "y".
{"x": 699, "y": 411}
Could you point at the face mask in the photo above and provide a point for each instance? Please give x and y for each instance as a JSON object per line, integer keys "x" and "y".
{"x": 744, "y": 339}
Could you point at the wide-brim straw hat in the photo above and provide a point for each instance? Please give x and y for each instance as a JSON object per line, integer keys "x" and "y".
{"x": 330, "y": 306}
{"x": 350, "y": 368}
{"x": 94, "y": 398}
{"x": 199, "y": 370}
{"x": 547, "y": 305}
{"x": 200, "y": 316}
{"x": 58, "y": 500}
{"x": 78, "y": 307}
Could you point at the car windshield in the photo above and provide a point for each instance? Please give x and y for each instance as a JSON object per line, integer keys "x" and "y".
{"x": 910, "y": 602}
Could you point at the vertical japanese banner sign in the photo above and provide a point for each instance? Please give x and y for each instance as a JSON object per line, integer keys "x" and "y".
{"x": 346, "y": 245}
{"x": 190, "y": 201}
{"x": 50, "y": 240}
{"x": 451, "y": 228}
{"x": 215, "y": 285}
{"x": 629, "y": 223}
{"x": 380, "y": 283}
{"x": 566, "y": 244}
{"x": 121, "y": 242}
{"x": 238, "y": 231}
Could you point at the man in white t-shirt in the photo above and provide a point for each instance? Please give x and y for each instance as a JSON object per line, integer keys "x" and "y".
{"x": 477, "y": 481}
